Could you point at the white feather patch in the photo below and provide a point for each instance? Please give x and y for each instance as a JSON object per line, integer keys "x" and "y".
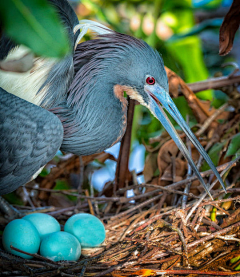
{"x": 95, "y": 27}
{"x": 26, "y": 85}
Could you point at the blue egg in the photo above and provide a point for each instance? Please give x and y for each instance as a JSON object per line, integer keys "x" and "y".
{"x": 60, "y": 246}
{"x": 44, "y": 223}
{"x": 88, "y": 229}
{"x": 23, "y": 235}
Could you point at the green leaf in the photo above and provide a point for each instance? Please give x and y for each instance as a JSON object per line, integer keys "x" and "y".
{"x": 13, "y": 198}
{"x": 213, "y": 214}
{"x": 234, "y": 146}
{"x": 214, "y": 154}
{"x": 219, "y": 98}
{"x": 234, "y": 260}
{"x": 44, "y": 172}
{"x": 35, "y": 24}
{"x": 63, "y": 185}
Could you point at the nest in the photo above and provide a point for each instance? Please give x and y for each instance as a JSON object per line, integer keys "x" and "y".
{"x": 149, "y": 242}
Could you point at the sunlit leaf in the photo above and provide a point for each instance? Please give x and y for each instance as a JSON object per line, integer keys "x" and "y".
{"x": 234, "y": 260}
{"x": 195, "y": 30}
{"x": 35, "y": 24}
{"x": 213, "y": 214}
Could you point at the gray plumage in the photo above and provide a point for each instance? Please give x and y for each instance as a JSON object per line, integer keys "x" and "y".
{"x": 92, "y": 115}
{"x": 30, "y": 136}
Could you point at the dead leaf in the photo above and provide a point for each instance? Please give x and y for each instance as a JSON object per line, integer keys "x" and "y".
{"x": 180, "y": 171}
{"x": 177, "y": 85}
{"x": 150, "y": 167}
{"x": 229, "y": 28}
{"x": 59, "y": 200}
{"x": 166, "y": 154}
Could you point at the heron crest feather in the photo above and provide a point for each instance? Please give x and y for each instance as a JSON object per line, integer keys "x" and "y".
{"x": 95, "y": 27}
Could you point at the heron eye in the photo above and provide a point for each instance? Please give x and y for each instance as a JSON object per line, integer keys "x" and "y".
{"x": 150, "y": 80}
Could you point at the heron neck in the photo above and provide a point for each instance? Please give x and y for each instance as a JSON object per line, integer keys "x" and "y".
{"x": 96, "y": 124}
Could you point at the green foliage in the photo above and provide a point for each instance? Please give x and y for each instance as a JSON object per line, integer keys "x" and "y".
{"x": 213, "y": 214}
{"x": 234, "y": 260}
{"x": 63, "y": 185}
{"x": 214, "y": 154}
{"x": 209, "y": 24}
{"x": 35, "y": 24}
{"x": 13, "y": 198}
{"x": 234, "y": 146}
{"x": 219, "y": 98}
{"x": 44, "y": 172}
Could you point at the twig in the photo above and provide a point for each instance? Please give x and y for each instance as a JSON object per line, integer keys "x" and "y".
{"x": 81, "y": 175}
{"x": 111, "y": 269}
{"x": 180, "y": 183}
{"x": 213, "y": 235}
{"x": 168, "y": 272}
{"x": 211, "y": 223}
{"x": 203, "y": 211}
{"x": 211, "y": 119}
{"x": 133, "y": 224}
{"x": 220, "y": 201}
{"x": 230, "y": 218}
{"x": 159, "y": 188}
{"x": 203, "y": 174}
{"x": 123, "y": 159}
{"x": 33, "y": 255}
{"x": 145, "y": 203}
{"x": 66, "y": 192}
{"x": 89, "y": 203}
{"x": 213, "y": 184}
{"x": 125, "y": 199}
{"x": 214, "y": 83}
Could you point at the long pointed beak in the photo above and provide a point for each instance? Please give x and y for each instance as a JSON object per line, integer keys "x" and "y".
{"x": 162, "y": 100}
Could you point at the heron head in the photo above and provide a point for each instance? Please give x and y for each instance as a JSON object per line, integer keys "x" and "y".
{"x": 143, "y": 75}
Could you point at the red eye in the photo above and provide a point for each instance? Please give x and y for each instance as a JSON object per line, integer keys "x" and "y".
{"x": 150, "y": 80}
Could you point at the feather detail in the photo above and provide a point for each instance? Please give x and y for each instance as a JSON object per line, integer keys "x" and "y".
{"x": 95, "y": 27}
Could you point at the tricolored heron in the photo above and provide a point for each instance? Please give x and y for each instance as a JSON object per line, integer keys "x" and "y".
{"x": 77, "y": 104}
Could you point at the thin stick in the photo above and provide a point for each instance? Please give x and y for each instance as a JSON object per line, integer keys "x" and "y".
{"x": 211, "y": 119}
{"x": 89, "y": 203}
{"x": 145, "y": 203}
{"x": 213, "y": 184}
{"x": 214, "y": 83}
{"x": 33, "y": 255}
{"x": 213, "y": 235}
